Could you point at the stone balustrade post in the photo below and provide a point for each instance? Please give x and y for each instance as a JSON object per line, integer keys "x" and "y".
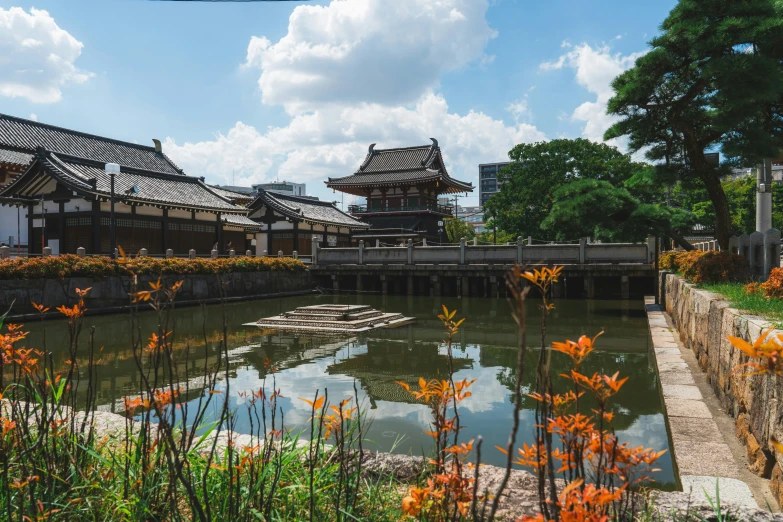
{"x": 264, "y": 253}
{"x": 116, "y": 253}
{"x": 377, "y": 243}
{"x": 143, "y": 252}
{"x": 582, "y": 248}
{"x": 5, "y": 252}
{"x": 47, "y": 251}
{"x": 214, "y": 254}
{"x": 462, "y": 251}
{"x": 424, "y": 241}
{"x": 279, "y": 253}
{"x": 771, "y": 251}
{"x": 81, "y": 252}
{"x": 520, "y": 246}
{"x": 232, "y": 253}
{"x": 410, "y": 251}
{"x": 734, "y": 244}
{"x": 361, "y": 251}
{"x": 191, "y": 254}
{"x": 248, "y": 253}
{"x": 529, "y": 240}
{"x": 296, "y": 254}
{"x": 169, "y": 252}
{"x": 475, "y": 241}
{"x": 756, "y": 253}
{"x": 744, "y": 246}
{"x": 651, "y": 241}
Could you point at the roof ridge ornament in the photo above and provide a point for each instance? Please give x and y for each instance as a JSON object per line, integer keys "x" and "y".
{"x": 370, "y": 154}
{"x": 431, "y": 152}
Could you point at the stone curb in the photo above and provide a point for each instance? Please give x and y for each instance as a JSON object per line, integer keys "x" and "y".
{"x": 699, "y": 452}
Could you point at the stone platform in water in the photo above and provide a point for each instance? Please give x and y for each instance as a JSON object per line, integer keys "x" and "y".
{"x": 333, "y": 318}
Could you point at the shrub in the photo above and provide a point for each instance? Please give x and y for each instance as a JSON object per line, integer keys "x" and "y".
{"x": 60, "y": 267}
{"x": 773, "y": 287}
{"x": 712, "y": 266}
{"x": 752, "y": 288}
{"x": 668, "y": 260}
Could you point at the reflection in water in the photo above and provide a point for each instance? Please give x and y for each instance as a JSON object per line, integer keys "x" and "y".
{"x": 301, "y": 364}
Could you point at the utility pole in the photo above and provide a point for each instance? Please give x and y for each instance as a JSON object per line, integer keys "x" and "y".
{"x": 764, "y": 196}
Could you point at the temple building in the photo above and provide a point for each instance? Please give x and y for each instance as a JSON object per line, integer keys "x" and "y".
{"x": 289, "y": 223}
{"x": 61, "y": 178}
{"x": 401, "y": 187}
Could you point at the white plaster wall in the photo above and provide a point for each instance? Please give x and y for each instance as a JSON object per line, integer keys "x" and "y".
{"x": 205, "y": 216}
{"x": 179, "y": 214}
{"x": 145, "y": 210}
{"x": 119, "y": 208}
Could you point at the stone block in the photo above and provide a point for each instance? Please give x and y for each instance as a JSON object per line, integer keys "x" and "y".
{"x": 687, "y": 408}
{"x": 695, "y": 431}
{"x": 691, "y": 461}
{"x": 676, "y": 378}
{"x": 681, "y": 391}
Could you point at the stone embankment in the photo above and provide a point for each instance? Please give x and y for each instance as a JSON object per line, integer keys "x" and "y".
{"x": 110, "y": 294}
{"x": 704, "y": 321}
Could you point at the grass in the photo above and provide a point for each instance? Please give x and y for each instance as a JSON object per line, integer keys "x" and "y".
{"x": 755, "y": 304}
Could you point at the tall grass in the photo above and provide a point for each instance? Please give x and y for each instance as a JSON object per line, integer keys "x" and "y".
{"x": 755, "y": 304}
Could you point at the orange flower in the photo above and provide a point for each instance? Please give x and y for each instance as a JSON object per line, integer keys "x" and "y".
{"x": 765, "y": 348}
{"x": 577, "y": 351}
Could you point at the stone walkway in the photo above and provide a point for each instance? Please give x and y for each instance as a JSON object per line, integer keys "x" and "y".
{"x": 699, "y": 451}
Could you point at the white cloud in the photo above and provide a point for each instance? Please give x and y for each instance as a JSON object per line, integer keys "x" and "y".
{"x": 36, "y": 56}
{"x": 595, "y": 68}
{"x": 520, "y": 110}
{"x": 368, "y": 51}
{"x": 333, "y": 141}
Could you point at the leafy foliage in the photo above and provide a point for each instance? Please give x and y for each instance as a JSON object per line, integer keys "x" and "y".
{"x": 709, "y": 267}
{"x": 690, "y": 94}
{"x": 538, "y": 170}
{"x": 456, "y": 229}
{"x": 773, "y": 287}
{"x": 59, "y": 267}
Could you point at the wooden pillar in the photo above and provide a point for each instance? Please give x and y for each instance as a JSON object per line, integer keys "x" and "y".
{"x": 384, "y": 285}
{"x": 96, "y": 228}
{"x": 219, "y": 233}
{"x": 625, "y": 287}
{"x": 358, "y": 282}
{"x": 30, "y": 246}
{"x": 465, "y": 286}
{"x": 409, "y": 284}
{"x": 165, "y": 235}
{"x": 296, "y": 237}
{"x": 61, "y": 227}
{"x": 494, "y": 281}
{"x": 435, "y": 288}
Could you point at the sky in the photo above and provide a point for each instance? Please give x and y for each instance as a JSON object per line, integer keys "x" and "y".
{"x": 249, "y": 92}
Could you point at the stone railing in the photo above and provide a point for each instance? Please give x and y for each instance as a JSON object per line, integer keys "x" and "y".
{"x": 472, "y": 254}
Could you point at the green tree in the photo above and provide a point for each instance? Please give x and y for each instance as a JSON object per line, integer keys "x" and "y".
{"x": 712, "y": 80}
{"x": 600, "y": 210}
{"x": 538, "y": 170}
{"x": 456, "y": 229}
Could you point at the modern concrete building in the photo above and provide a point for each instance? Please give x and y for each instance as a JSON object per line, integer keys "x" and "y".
{"x": 286, "y": 188}
{"x": 488, "y": 180}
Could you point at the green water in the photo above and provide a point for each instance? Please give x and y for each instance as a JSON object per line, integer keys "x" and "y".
{"x": 485, "y": 350}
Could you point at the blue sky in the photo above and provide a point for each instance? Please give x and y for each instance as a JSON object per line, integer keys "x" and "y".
{"x": 257, "y": 91}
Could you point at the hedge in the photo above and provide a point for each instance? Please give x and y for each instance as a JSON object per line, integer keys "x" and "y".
{"x": 705, "y": 266}
{"x": 60, "y": 267}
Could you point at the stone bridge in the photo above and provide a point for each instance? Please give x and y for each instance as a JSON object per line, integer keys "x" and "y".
{"x": 604, "y": 270}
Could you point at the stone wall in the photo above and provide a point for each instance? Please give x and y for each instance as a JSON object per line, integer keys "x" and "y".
{"x": 705, "y": 321}
{"x": 112, "y": 292}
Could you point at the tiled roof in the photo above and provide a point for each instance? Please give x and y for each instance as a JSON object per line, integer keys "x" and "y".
{"x": 27, "y": 136}
{"x": 131, "y": 186}
{"x": 240, "y": 220}
{"x": 13, "y": 157}
{"x": 230, "y": 194}
{"x": 402, "y": 165}
{"x": 305, "y": 209}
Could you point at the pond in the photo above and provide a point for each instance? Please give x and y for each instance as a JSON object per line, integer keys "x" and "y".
{"x": 485, "y": 350}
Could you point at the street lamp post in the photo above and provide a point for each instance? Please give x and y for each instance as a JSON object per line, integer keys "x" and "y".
{"x": 112, "y": 169}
